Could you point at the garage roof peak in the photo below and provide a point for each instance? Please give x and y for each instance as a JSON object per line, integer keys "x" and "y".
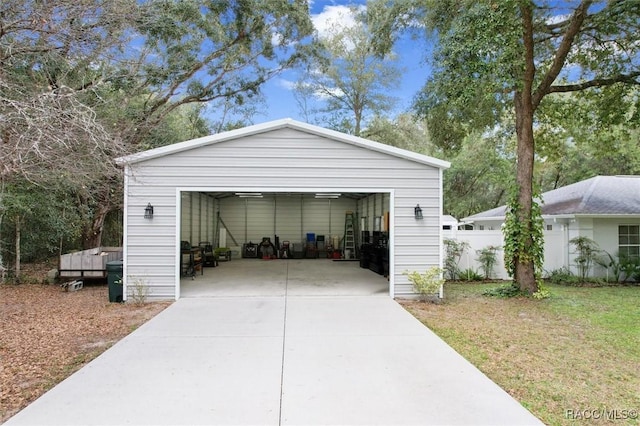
{"x": 281, "y": 124}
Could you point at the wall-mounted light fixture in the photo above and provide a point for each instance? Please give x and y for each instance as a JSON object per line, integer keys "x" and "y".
{"x": 148, "y": 211}
{"x": 417, "y": 211}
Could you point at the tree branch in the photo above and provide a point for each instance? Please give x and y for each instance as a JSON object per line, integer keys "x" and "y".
{"x": 597, "y": 82}
{"x": 560, "y": 57}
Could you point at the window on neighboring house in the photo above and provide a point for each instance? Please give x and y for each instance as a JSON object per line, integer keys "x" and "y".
{"x": 629, "y": 240}
{"x": 549, "y": 227}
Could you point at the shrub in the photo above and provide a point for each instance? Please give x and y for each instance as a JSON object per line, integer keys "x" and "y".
{"x": 512, "y": 290}
{"x": 487, "y": 257}
{"x": 504, "y": 291}
{"x": 542, "y": 293}
{"x": 623, "y": 268}
{"x": 470, "y": 274}
{"x": 587, "y": 251}
{"x": 428, "y": 283}
{"x": 453, "y": 251}
{"x": 612, "y": 263}
{"x": 138, "y": 291}
{"x": 563, "y": 276}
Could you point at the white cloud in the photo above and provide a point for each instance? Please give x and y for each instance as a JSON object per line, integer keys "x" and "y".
{"x": 331, "y": 16}
{"x": 286, "y": 84}
{"x": 555, "y": 19}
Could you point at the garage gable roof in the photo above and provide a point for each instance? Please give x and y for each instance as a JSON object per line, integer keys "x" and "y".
{"x": 281, "y": 124}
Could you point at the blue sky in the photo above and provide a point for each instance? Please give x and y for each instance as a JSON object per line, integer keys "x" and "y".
{"x": 411, "y": 54}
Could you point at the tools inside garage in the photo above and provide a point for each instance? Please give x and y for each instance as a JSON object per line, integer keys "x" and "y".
{"x": 371, "y": 249}
{"x": 286, "y": 226}
{"x": 313, "y": 248}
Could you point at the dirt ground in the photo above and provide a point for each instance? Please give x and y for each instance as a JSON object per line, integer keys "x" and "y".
{"x": 46, "y": 334}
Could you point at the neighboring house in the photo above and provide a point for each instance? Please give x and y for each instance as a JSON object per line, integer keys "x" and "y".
{"x": 603, "y": 208}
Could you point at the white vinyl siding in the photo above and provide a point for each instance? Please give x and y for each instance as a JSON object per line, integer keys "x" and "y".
{"x": 272, "y": 161}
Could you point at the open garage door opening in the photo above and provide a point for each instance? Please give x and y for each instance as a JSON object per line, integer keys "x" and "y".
{"x": 257, "y": 243}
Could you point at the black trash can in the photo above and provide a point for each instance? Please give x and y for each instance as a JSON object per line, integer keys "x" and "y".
{"x": 114, "y": 278}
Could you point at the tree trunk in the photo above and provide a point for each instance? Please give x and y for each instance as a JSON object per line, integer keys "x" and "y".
{"x": 3, "y": 270}
{"x": 18, "y": 254}
{"x": 525, "y": 269}
{"x": 524, "y": 275}
{"x": 358, "y": 119}
{"x": 93, "y": 235}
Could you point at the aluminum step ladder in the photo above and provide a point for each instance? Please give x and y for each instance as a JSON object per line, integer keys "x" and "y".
{"x": 349, "y": 240}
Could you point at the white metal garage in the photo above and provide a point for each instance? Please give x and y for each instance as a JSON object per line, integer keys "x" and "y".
{"x": 282, "y": 178}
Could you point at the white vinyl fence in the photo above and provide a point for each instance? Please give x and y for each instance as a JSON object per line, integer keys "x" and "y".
{"x": 555, "y": 250}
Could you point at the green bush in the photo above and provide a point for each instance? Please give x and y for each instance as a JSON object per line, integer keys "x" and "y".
{"x": 611, "y": 263}
{"x": 512, "y": 290}
{"x": 587, "y": 252}
{"x": 453, "y": 251}
{"x": 630, "y": 267}
{"x": 504, "y": 291}
{"x": 470, "y": 274}
{"x": 563, "y": 276}
{"x": 488, "y": 257}
{"x": 542, "y": 293}
{"x": 428, "y": 283}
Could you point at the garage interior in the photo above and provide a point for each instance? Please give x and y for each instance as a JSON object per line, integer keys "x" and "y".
{"x": 234, "y": 243}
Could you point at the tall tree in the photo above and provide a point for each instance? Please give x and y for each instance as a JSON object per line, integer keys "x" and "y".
{"x": 345, "y": 76}
{"x": 85, "y": 81}
{"x": 514, "y": 54}
{"x": 405, "y": 131}
{"x": 202, "y": 51}
{"x": 479, "y": 175}
{"x": 583, "y": 134}
{"x": 50, "y": 54}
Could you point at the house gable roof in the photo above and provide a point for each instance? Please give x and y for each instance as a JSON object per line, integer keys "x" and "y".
{"x": 599, "y": 195}
{"x": 281, "y": 124}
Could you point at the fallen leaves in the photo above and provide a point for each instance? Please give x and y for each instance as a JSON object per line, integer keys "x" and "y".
{"x": 46, "y": 334}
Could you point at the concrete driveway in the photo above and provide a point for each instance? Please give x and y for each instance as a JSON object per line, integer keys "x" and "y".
{"x": 282, "y": 359}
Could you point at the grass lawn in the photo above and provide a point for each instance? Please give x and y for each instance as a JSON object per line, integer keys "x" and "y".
{"x": 576, "y": 354}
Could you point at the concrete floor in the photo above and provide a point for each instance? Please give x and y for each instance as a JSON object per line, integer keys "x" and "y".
{"x": 296, "y": 277}
{"x": 263, "y": 343}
